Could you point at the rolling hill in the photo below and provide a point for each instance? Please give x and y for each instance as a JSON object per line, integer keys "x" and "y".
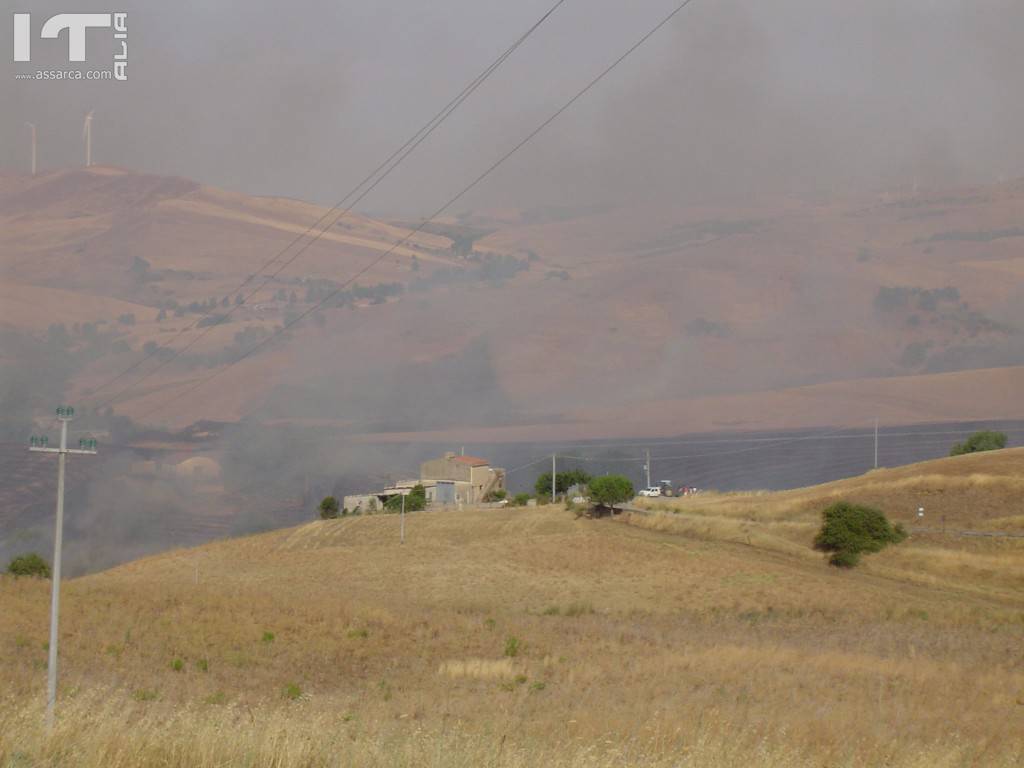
{"x": 706, "y": 633}
{"x": 641, "y": 319}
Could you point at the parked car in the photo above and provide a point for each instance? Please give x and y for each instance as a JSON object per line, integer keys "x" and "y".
{"x": 651, "y": 492}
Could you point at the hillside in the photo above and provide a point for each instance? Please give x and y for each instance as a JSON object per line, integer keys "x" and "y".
{"x": 711, "y": 636}
{"x": 643, "y": 319}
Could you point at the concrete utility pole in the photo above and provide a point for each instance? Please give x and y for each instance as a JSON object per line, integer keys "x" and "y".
{"x": 402, "y": 525}
{"x": 647, "y": 467}
{"x": 86, "y": 446}
{"x": 552, "y": 478}
{"x": 876, "y": 443}
{"x": 32, "y": 128}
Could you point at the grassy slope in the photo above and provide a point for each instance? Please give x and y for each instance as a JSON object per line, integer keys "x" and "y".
{"x": 976, "y": 492}
{"x": 711, "y": 638}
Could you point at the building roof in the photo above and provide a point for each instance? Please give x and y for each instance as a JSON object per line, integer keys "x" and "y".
{"x": 473, "y": 461}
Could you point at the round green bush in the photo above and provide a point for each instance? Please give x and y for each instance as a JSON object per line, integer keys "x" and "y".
{"x": 986, "y": 440}
{"x": 328, "y": 508}
{"x": 849, "y": 530}
{"x": 29, "y": 565}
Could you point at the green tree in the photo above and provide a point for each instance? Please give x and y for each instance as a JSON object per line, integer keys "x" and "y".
{"x": 29, "y": 565}
{"x": 849, "y": 530}
{"x": 328, "y": 508}
{"x": 608, "y": 490}
{"x": 563, "y": 481}
{"x": 415, "y": 500}
{"x": 986, "y": 440}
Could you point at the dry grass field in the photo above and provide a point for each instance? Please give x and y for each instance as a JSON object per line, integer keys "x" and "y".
{"x": 704, "y": 634}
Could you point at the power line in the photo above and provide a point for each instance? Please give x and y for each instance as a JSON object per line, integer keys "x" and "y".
{"x": 384, "y": 169}
{"x": 654, "y": 442}
{"x": 493, "y": 167}
{"x": 525, "y": 466}
{"x": 777, "y": 442}
{"x": 630, "y": 459}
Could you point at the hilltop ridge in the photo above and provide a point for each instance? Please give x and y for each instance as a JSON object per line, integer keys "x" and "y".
{"x": 649, "y": 319}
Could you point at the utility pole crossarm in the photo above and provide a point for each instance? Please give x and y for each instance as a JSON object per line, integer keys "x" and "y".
{"x": 79, "y": 451}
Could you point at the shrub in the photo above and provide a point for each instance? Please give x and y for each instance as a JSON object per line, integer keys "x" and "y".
{"x": 986, "y": 440}
{"x": 209, "y": 320}
{"x": 177, "y": 665}
{"x": 579, "y": 609}
{"x": 844, "y": 558}
{"x": 497, "y": 495}
{"x": 268, "y": 637}
{"x": 849, "y": 530}
{"x": 292, "y": 691}
{"x": 512, "y": 646}
{"x": 29, "y": 565}
{"x": 328, "y": 508}
{"x": 521, "y": 499}
{"x": 417, "y": 499}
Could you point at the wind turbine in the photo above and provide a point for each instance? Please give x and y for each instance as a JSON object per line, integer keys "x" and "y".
{"x": 32, "y": 127}
{"x": 87, "y": 137}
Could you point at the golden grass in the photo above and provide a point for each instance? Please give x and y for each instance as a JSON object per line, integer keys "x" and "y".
{"x": 720, "y": 640}
{"x": 98, "y": 734}
{"x": 481, "y": 669}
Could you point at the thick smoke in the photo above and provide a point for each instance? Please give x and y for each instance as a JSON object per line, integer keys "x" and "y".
{"x": 730, "y": 100}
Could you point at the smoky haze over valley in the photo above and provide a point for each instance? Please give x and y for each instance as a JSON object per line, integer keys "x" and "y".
{"x": 690, "y": 331}
{"x": 733, "y": 99}
{"x": 773, "y": 216}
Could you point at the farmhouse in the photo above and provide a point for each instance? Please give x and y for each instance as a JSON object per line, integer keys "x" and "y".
{"x": 449, "y": 480}
{"x": 473, "y": 479}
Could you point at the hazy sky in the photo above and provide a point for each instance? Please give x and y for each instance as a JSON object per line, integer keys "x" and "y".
{"x": 303, "y": 98}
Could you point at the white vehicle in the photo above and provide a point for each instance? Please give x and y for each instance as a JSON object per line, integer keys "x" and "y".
{"x": 651, "y": 492}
